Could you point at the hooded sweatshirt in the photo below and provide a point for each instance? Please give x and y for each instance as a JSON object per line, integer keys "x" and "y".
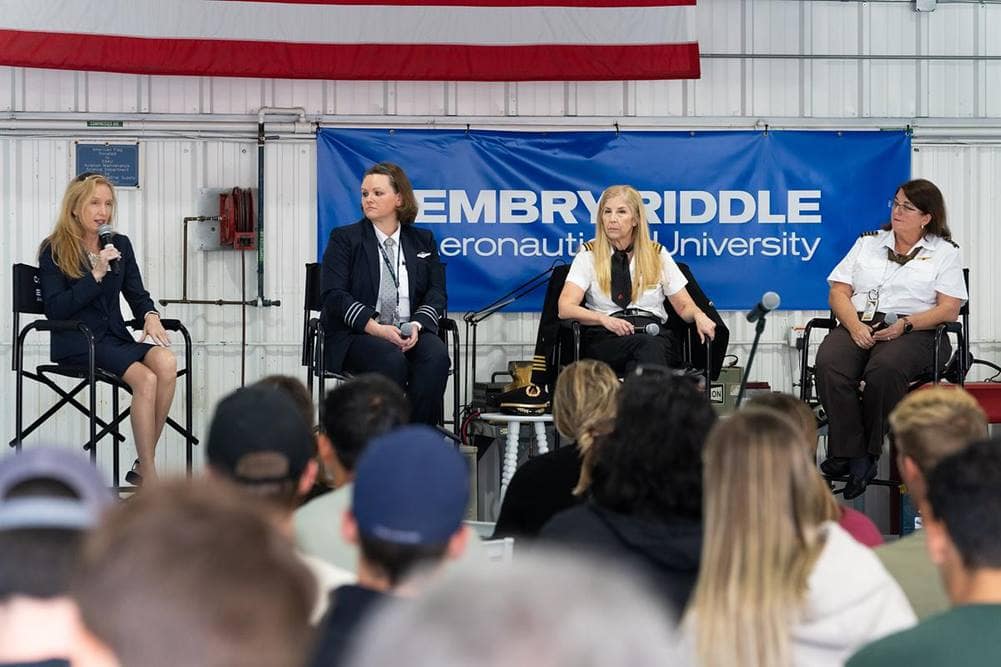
{"x": 665, "y": 550}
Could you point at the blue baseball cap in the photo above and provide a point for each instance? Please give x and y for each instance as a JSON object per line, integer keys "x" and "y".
{"x": 411, "y": 487}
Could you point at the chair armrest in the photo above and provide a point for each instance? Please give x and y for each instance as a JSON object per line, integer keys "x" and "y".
{"x": 59, "y": 325}
{"x": 448, "y": 324}
{"x": 949, "y": 327}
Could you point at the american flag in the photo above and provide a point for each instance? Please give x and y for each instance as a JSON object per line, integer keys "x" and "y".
{"x": 447, "y": 40}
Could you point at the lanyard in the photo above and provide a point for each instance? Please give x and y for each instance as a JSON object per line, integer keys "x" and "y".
{"x": 389, "y": 265}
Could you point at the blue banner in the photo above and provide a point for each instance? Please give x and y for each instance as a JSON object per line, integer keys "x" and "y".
{"x": 747, "y": 211}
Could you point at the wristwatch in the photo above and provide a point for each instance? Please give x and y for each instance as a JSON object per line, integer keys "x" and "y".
{"x": 908, "y": 325}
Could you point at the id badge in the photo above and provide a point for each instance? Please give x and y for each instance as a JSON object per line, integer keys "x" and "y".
{"x": 870, "y": 309}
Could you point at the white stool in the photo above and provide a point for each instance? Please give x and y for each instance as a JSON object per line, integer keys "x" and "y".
{"x": 514, "y": 423}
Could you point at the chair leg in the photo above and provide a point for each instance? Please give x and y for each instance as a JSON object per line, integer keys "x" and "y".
{"x": 115, "y": 455}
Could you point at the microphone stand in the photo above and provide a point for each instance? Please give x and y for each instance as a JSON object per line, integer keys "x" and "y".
{"x": 473, "y": 319}
{"x": 758, "y": 330}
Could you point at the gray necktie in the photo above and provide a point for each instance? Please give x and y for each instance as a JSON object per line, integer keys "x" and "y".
{"x": 388, "y": 294}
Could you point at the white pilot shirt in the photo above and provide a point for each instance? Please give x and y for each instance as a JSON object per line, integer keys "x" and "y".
{"x": 651, "y": 300}
{"x": 397, "y": 259}
{"x": 903, "y": 289}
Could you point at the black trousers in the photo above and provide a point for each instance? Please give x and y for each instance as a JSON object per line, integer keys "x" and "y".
{"x": 422, "y": 372}
{"x": 624, "y": 353}
{"x": 858, "y": 424}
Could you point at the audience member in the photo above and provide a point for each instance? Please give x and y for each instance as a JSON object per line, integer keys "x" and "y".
{"x": 192, "y": 573}
{"x": 583, "y": 408}
{"x": 544, "y": 609}
{"x": 49, "y": 498}
{"x": 781, "y": 583}
{"x": 646, "y": 502}
{"x": 298, "y": 392}
{"x": 927, "y": 426}
{"x": 409, "y": 495}
{"x": 963, "y": 528}
{"x": 857, "y": 524}
{"x": 259, "y": 440}
{"x": 354, "y": 412}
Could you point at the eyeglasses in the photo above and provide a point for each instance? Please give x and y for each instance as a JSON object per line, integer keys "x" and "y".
{"x": 907, "y": 207}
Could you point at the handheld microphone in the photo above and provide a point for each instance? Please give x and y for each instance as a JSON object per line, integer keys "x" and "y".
{"x": 406, "y": 328}
{"x": 105, "y": 233}
{"x": 769, "y": 302}
{"x": 888, "y": 321}
{"x": 651, "y": 329}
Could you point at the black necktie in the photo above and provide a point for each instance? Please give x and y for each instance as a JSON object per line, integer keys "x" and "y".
{"x": 622, "y": 283}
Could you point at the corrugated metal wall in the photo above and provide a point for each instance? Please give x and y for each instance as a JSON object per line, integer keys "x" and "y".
{"x": 781, "y": 62}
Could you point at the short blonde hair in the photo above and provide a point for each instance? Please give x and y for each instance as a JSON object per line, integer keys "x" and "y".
{"x": 930, "y": 424}
{"x": 584, "y": 403}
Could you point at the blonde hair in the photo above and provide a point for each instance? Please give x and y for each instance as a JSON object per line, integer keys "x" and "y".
{"x": 646, "y": 253}
{"x": 801, "y": 415}
{"x": 66, "y": 239}
{"x": 763, "y": 534}
{"x": 930, "y": 424}
{"x": 584, "y": 409}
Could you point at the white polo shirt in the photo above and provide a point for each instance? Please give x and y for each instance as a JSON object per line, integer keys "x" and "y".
{"x": 651, "y": 300}
{"x": 903, "y": 289}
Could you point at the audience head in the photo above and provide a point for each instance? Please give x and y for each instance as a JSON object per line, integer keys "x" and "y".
{"x": 584, "y": 408}
{"x": 410, "y": 494}
{"x": 190, "y": 573}
{"x": 357, "y": 411}
{"x": 800, "y": 414}
{"x": 964, "y": 524}
{"x": 542, "y": 609}
{"x": 763, "y": 515}
{"x": 48, "y": 499}
{"x": 651, "y": 463}
{"x": 259, "y": 440}
{"x": 295, "y": 390}
{"x": 933, "y": 423}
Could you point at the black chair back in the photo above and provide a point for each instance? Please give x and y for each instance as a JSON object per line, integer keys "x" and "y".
{"x": 686, "y": 333}
{"x": 27, "y": 297}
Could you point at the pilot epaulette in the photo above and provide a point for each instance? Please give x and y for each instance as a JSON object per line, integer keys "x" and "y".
{"x": 657, "y": 247}
{"x": 871, "y": 232}
{"x": 589, "y": 246}
{"x": 954, "y": 244}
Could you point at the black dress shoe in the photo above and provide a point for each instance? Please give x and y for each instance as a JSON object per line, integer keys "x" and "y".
{"x": 835, "y": 466}
{"x": 861, "y": 471}
{"x": 133, "y": 477}
{"x": 528, "y": 400}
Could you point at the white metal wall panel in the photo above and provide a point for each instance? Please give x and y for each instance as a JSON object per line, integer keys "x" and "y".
{"x": 183, "y": 175}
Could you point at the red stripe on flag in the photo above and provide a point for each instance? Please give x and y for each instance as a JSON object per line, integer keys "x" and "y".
{"x": 585, "y": 4}
{"x": 427, "y": 62}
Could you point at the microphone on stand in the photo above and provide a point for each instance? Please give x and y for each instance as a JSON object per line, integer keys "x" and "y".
{"x": 769, "y": 302}
{"x": 105, "y": 233}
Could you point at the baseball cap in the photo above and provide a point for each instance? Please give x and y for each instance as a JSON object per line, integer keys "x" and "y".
{"x": 41, "y": 511}
{"x": 259, "y": 424}
{"x": 411, "y": 487}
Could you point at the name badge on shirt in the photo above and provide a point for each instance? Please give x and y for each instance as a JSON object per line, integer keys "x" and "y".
{"x": 871, "y": 304}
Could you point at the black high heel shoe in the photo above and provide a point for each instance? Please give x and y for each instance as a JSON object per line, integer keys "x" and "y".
{"x": 133, "y": 477}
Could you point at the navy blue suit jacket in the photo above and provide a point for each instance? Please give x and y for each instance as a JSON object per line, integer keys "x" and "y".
{"x": 95, "y": 304}
{"x": 349, "y": 283}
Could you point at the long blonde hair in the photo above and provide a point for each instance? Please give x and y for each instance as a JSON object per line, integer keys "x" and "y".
{"x": 646, "y": 254}
{"x": 66, "y": 239}
{"x": 763, "y": 518}
{"x": 584, "y": 403}
{"x": 801, "y": 415}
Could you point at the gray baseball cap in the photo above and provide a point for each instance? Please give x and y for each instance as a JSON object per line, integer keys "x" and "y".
{"x": 40, "y": 511}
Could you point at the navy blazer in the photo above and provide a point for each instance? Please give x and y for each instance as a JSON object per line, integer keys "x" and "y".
{"x": 349, "y": 283}
{"x": 95, "y": 304}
